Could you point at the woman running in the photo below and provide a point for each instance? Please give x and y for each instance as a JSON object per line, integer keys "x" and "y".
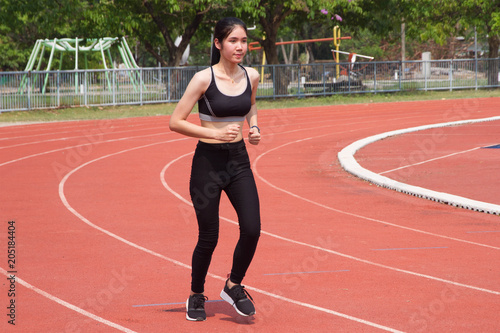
{"x": 226, "y": 96}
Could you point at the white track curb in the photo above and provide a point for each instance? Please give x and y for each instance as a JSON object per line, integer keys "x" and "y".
{"x": 349, "y": 163}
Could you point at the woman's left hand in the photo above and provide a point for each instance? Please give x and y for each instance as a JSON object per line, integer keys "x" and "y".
{"x": 254, "y": 136}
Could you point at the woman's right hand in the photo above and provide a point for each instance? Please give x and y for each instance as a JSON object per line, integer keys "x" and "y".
{"x": 228, "y": 133}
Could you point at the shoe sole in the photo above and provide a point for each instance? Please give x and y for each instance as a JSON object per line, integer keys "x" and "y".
{"x": 228, "y": 299}
{"x": 189, "y": 318}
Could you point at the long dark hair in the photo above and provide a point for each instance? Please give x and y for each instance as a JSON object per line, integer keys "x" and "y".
{"x": 222, "y": 29}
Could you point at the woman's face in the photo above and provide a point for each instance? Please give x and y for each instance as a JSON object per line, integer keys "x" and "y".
{"x": 234, "y": 46}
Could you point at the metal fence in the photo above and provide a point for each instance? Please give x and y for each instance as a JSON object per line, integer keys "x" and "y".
{"x": 39, "y": 90}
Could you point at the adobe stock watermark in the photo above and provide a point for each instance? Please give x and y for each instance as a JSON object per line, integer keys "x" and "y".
{"x": 276, "y": 124}
{"x": 97, "y": 302}
{"x": 201, "y": 196}
{"x": 76, "y": 154}
{"x": 273, "y": 127}
{"x": 428, "y": 145}
{"x": 291, "y": 282}
{"x": 422, "y": 319}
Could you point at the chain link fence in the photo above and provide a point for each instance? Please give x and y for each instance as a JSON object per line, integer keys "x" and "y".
{"x": 41, "y": 90}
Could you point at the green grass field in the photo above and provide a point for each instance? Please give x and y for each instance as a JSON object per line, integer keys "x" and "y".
{"x": 123, "y": 111}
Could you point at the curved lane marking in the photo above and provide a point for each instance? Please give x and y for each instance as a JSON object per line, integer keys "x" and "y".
{"x": 68, "y": 305}
{"x": 273, "y": 295}
{"x": 494, "y": 292}
{"x": 354, "y": 214}
{"x": 86, "y": 135}
{"x": 349, "y": 163}
{"x": 139, "y": 247}
{"x": 430, "y": 160}
{"x": 88, "y": 222}
{"x": 63, "y": 198}
{"x": 76, "y": 146}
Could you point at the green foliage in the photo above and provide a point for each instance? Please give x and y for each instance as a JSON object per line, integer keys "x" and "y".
{"x": 153, "y": 25}
{"x": 10, "y": 56}
{"x": 495, "y": 21}
{"x": 25, "y": 21}
{"x": 438, "y": 19}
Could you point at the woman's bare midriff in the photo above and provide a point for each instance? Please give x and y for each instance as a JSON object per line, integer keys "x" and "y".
{"x": 219, "y": 125}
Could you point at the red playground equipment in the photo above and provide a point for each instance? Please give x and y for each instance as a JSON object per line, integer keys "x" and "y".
{"x": 343, "y": 77}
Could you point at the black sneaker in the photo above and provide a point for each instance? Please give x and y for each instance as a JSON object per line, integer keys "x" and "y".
{"x": 195, "y": 307}
{"x": 237, "y": 297}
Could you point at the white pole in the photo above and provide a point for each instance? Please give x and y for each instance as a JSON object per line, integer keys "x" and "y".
{"x": 357, "y": 55}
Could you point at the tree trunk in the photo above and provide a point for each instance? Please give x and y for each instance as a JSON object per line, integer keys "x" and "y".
{"x": 280, "y": 78}
{"x": 269, "y": 45}
{"x": 152, "y": 51}
{"x": 174, "y": 52}
{"x": 270, "y": 24}
{"x": 493, "y": 44}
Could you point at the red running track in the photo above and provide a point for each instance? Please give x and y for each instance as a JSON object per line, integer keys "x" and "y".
{"x": 104, "y": 230}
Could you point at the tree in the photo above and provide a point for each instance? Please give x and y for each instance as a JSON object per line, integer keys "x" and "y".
{"x": 22, "y": 22}
{"x": 440, "y": 19}
{"x": 154, "y": 23}
{"x": 485, "y": 16}
{"x": 270, "y": 14}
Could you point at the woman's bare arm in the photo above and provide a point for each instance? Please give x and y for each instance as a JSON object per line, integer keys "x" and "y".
{"x": 178, "y": 120}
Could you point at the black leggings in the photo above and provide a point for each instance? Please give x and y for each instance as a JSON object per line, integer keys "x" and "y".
{"x": 218, "y": 167}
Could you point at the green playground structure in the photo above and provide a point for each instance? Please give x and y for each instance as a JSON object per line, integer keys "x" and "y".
{"x": 76, "y": 45}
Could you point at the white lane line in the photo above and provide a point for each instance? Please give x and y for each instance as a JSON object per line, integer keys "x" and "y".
{"x": 89, "y": 134}
{"x": 72, "y": 129}
{"x": 353, "y": 214}
{"x": 65, "y": 202}
{"x": 349, "y": 163}
{"x": 494, "y": 292}
{"x": 430, "y": 160}
{"x": 68, "y": 305}
{"x": 76, "y": 146}
{"x": 339, "y": 211}
{"x": 134, "y": 245}
{"x": 130, "y": 243}
{"x": 273, "y": 295}
{"x": 255, "y": 169}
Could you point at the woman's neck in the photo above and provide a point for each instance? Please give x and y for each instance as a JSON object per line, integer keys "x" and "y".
{"x": 231, "y": 70}
{"x": 228, "y": 68}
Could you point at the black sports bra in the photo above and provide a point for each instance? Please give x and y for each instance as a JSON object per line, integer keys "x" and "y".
{"x": 216, "y": 106}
